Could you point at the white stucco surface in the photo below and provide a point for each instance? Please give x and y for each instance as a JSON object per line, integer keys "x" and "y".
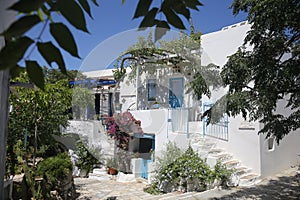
{"x": 217, "y": 46}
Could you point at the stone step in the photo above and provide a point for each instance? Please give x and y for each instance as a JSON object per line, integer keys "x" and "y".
{"x": 222, "y": 156}
{"x": 100, "y": 171}
{"x": 239, "y": 171}
{"x": 232, "y": 163}
{"x": 215, "y": 151}
{"x": 249, "y": 179}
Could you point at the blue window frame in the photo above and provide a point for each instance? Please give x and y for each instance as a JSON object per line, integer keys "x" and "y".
{"x": 152, "y": 89}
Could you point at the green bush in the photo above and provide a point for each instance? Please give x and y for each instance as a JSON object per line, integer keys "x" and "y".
{"x": 187, "y": 172}
{"x": 54, "y": 171}
{"x": 222, "y": 174}
{"x": 86, "y": 160}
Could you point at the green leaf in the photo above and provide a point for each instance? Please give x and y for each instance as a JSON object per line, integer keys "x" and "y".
{"x": 52, "y": 54}
{"x": 27, "y": 6}
{"x": 95, "y": 2}
{"x": 46, "y": 11}
{"x": 15, "y": 72}
{"x": 193, "y": 4}
{"x": 85, "y": 5}
{"x": 173, "y": 18}
{"x": 64, "y": 38}
{"x": 149, "y": 19}
{"x": 21, "y": 26}
{"x": 35, "y": 73}
{"x": 13, "y": 52}
{"x": 142, "y": 8}
{"x": 181, "y": 9}
{"x": 73, "y": 13}
{"x": 161, "y": 28}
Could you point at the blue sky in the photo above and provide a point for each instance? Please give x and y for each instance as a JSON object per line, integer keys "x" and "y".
{"x": 113, "y": 18}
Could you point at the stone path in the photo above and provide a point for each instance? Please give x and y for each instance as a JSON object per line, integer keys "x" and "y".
{"x": 285, "y": 185}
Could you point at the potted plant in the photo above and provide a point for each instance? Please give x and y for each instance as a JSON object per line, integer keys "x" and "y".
{"x": 156, "y": 105}
{"x": 111, "y": 165}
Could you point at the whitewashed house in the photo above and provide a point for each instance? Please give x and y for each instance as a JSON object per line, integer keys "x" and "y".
{"x": 178, "y": 118}
{"x": 233, "y": 140}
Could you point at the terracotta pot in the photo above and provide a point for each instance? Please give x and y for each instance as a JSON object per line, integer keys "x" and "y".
{"x": 112, "y": 171}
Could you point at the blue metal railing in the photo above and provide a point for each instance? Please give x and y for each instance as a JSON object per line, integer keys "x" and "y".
{"x": 217, "y": 130}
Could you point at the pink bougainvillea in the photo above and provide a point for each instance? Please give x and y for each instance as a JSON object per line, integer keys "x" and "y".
{"x": 120, "y": 126}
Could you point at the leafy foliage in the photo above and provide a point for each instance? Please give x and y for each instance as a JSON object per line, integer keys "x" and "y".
{"x": 265, "y": 79}
{"x": 55, "y": 171}
{"x": 186, "y": 172}
{"x": 50, "y": 107}
{"x": 86, "y": 160}
{"x": 41, "y": 12}
{"x": 170, "y": 9}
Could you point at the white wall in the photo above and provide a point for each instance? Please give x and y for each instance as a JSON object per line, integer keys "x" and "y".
{"x": 216, "y": 47}
{"x": 244, "y": 144}
{"x": 91, "y": 132}
{"x": 286, "y": 153}
{"x": 282, "y": 157}
{"x": 156, "y": 122}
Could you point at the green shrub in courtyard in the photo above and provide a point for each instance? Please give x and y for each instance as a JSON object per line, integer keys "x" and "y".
{"x": 187, "y": 172}
{"x": 56, "y": 172}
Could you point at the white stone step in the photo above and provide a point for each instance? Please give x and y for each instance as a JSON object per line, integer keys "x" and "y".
{"x": 222, "y": 156}
{"x": 215, "y": 151}
{"x": 241, "y": 170}
{"x": 100, "y": 171}
{"x": 232, "y": 163}
{"x": 249, "y": 179}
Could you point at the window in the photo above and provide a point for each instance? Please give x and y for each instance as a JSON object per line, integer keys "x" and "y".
{"x": 271, "y": 144}
{"x": 151, "y": 89}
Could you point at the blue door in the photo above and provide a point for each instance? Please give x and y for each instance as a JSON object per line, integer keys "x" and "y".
{"x": 147, "y": 146}
{"x": 176, "y": 92}
{"x": 145, "y": 168}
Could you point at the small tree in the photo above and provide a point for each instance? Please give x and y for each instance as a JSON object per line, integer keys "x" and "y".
{"x": 37, "y": 115}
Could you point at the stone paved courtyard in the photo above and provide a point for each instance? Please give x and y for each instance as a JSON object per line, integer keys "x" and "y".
{"x": 285, "y": 185}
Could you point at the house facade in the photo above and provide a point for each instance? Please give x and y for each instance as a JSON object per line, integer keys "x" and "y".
{"x": 177, "y": 118}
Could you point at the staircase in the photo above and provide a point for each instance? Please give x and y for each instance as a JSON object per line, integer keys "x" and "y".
{"x": 207, "y": 149}
{"x": 100, "y": 174}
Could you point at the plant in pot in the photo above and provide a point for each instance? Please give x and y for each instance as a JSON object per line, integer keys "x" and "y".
{"x": 156, "y": 104}
{"x": 111, "y": 165}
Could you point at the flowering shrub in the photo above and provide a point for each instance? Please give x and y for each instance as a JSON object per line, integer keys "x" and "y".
{"x": 120, "y": 126}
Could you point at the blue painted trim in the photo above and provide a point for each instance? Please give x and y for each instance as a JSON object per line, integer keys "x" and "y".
{"x": 100, "y": 82}
{"x": 148, "y": 136}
